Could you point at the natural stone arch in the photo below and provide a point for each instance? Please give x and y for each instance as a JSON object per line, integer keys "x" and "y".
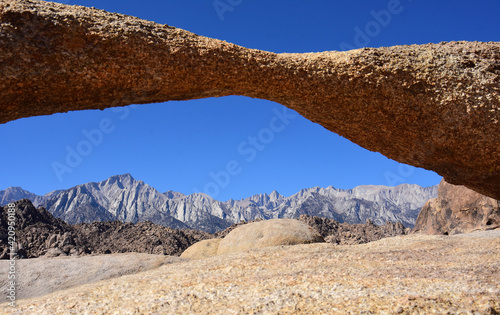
{"x": 435, "y": 106}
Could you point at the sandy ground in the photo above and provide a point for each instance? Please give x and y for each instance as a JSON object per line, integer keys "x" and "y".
{"x": 415, "y": 274}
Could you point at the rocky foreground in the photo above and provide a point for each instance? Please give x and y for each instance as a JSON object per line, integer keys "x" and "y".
{"x": 413, "y": 274}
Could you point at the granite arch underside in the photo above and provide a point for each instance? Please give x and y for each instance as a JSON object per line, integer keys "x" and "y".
{"x": 435, "y": 106}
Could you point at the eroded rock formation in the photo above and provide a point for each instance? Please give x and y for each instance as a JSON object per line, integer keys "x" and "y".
{"x": 458, "y": 209}
{"x": 435, "y": 106}
{"x": 349, "y": 234}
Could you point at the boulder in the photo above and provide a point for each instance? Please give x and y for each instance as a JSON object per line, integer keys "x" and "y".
{"x": 203, "y": 249}
{"x": 273, "y": 232}
{"x": 426, "y": 105}
{"x": 458, "y": 209}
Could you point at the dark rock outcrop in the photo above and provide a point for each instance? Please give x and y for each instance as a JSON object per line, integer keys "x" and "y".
{"x": 142, "y": 237}
{"x": 419, "y": 105}
{"x": 349, "y": 234}
{"x": 458, "y": 209}
{"x": 38, "y": 233}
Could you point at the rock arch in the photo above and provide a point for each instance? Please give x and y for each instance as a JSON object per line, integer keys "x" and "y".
{"x": 435, "y": 106}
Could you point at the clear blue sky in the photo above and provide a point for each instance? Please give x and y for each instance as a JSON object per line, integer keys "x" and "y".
{"x": 204, "y": 145}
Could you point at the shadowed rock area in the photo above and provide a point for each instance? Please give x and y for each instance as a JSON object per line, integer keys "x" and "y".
{"x": 458, "y": 209}
{"x": 425, "y": 105}
{"x": 351, "y": 234}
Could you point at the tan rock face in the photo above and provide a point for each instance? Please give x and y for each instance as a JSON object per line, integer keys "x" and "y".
{"x": 458, "y": 209}
{"x": 202, "y": 249}
{"x": 435, "y": 106}
{"x": 267, "y": 233}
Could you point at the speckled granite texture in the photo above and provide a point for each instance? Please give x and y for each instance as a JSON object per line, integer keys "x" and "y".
{"x": 414, "y": 274}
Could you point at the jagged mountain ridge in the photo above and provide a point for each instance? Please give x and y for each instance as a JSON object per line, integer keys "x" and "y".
{"x": 123, "y": 198}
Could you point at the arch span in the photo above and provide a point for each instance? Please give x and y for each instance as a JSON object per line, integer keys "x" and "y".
{"x": 435, "y": 106}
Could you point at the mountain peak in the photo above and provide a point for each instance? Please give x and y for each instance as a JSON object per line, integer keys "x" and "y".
{"x": 15, "y": 189}
{"x": 125, "y": 176}
{"x": 120, "y": 179}
{"x": 15, "y": 193}
{"x": 274, "y": 194}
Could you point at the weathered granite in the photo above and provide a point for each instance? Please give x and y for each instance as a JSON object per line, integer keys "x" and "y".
{"x": 458, "y": 209}
{"x": 435, "y": 106}
{"x": 202, "y": 249}
{"x": 412, "y": 274}
{"x": 266, "y": 233}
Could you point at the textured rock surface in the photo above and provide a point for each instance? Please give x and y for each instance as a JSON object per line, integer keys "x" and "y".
{"x": 203, "y": 249}
{"x": 36, "y": 232}
{"x": 40, "y": 276}
{"x": 143, "y": 237}
{"x": 458, "y": 209}
{"x": 349, "y": 234}
{"x": 366, "y": 202}
{"x": 273, "y": 232}
{"x": 39, "y": 233}
{"x": 413, "y": 274}
{"x": 421, "y": 105}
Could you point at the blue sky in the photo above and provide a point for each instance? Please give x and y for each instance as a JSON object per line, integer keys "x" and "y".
{"x": 234, "y": 147}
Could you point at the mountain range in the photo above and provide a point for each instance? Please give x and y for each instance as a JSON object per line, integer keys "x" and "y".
{"x": 123, "y": 198}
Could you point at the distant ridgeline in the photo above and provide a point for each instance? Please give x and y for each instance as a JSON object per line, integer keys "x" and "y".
{"x": 125, "y": 199}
